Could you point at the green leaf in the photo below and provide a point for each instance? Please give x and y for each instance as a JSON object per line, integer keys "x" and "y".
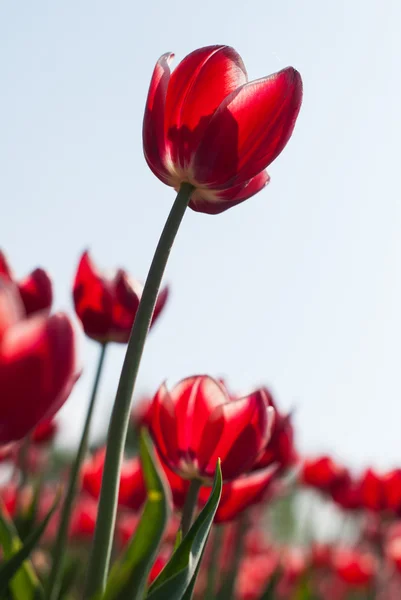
{"x": 17, "y": 572}
{"x": 270, "y": 591}
{"x": 177, "y": 579}
{"x": 128, "y": 577}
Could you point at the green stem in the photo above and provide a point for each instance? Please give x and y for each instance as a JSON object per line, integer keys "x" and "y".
{"x": 101, "y": 548}
{"x": 54, "y": 581}
{"x": 191, "y": 502}
{"x": 227, "y": 590}
{"x": 214, "y": 563}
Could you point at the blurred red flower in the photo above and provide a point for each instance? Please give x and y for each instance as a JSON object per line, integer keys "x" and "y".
{"x": 206, "y": 125}
{"x": 35, "y": 289}
{"x": 37, "y": 365}
{"x": 107, "y": 305}
{"x": 196, "y": 422}
{"x": 45, "y": 432}
{"x": 355, "y": 567}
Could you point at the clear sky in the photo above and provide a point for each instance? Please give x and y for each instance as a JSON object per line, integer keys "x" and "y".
{"x": 298, "y": 288}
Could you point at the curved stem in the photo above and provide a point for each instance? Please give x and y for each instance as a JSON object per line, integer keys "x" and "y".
{"x": 101, "y": 548}
{"x": 191, "y": 501}
{"x": 54, "y": 581}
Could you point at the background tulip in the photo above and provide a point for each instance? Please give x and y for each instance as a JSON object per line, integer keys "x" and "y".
{"x": 107, "y": 305}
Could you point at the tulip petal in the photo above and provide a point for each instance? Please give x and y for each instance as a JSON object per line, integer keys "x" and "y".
{"x": 198, "y": 85}
{"x": 37, "y": 372}
{"x": 248, "y": 130}
{"x": 215, "y": 202}
{"x": 11, "y": 308}
{"x": 36, "y": 291}
{"x": 5, "y": 269}
{"x": 242, "y": 437}
{"x": 154, "y": 142}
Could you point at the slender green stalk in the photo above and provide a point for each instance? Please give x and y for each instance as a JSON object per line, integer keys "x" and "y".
{"x": 101, "y": 548}
{"x": 214, "y": 563}
{"x": 227, "y": 590}
{"x": 191, "y": 502}
{"x": 54, "y": 581}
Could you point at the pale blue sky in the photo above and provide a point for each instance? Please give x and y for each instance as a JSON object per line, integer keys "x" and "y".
{"x": 298, "y": 288}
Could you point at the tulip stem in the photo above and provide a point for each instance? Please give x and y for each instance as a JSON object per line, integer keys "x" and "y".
{"x": 54, "y": 581}
{"x": 102, "y": 544}
{"x": 214, "y": 562}
{"x": 191, "y": 501}
{"x": 228, "y": 587}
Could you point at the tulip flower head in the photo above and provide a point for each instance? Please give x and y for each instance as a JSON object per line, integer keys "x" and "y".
{"x": 107, "y": 305}
{"x": 35, "y": 289}
{"x": 196, "y": 423}
{"x": 206, "y": 125}
{"x": 37, "y": 365}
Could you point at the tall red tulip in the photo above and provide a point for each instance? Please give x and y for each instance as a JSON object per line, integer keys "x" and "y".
{"x": 107, "y": 305}
{"x": 355, "y": 567}
{"x": 196, "y": 422}
{"x": 322, "y": 473}
{"x": 37, "y": 366}
{"x": 205, "y": 124}
{"x": 36, "y": 289}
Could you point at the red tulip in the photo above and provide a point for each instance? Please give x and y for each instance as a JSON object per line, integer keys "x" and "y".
{"x": 392, "y": 490}
{"x": 372, "y": 491}
{"x": 322, "y": 473}
{"x": 354, "y": 567}
{"x": 240, "y": 494}
{"x": 346, "y": 492}
{"x": 196, "y": 423}
{"x": 35, "y": 289}
{"x": 45, "y": 432}
{"x": 132, "y": 490}
{"x": 206, "y": 125}
{"x": 106, "y": 306}
{"x": 280, "y": 448}
{"x": 37, "y": 366}
{"x": 83, "y": 519}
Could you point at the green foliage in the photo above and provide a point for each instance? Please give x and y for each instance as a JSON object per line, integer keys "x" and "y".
{"x": 177, "y": 579}
{"x": 129, "y": 575}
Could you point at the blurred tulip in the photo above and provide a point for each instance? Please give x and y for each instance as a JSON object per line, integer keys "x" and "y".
{"x": 392, "y": 490}
{"x": 37, "y": 366}
{"x": 354, "y": 567}
{"x": 372, "y": 491}
{"x": 45, "y": 432}
{"x": 393, "y": 552}
{"x": 241, "y": 493}
{"x": 132, "y": 490}
{"x": 206, "y": 125}
{"x": 107, "y": 305}
{"x": 346, "y": 492}
{"x": 196, "y": 423}
{"x": 36, "y": 289}
{"x": 83, "y": 519}
{"x": 322, "y": 473}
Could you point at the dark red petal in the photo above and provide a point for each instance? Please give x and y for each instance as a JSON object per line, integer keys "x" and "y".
{"x": 126, "y": 298}
{"x": 160, "y": 303}
{"x": 5, "y": 269}
{"x": 248, "y": 130}
{"x": 164, "y": 428}
{"x": 213, "y": 202}
{"x": 241, "y": 493}
{"x": 198, "y": 85}
{"x": 36, "y": 291}
{"x": 154, "y": 143}
{"x": 93, "y": 300}
{"x": 245, "y": 424}
{"x": 132, "y": 490}
{"x": 37, "y": 372}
